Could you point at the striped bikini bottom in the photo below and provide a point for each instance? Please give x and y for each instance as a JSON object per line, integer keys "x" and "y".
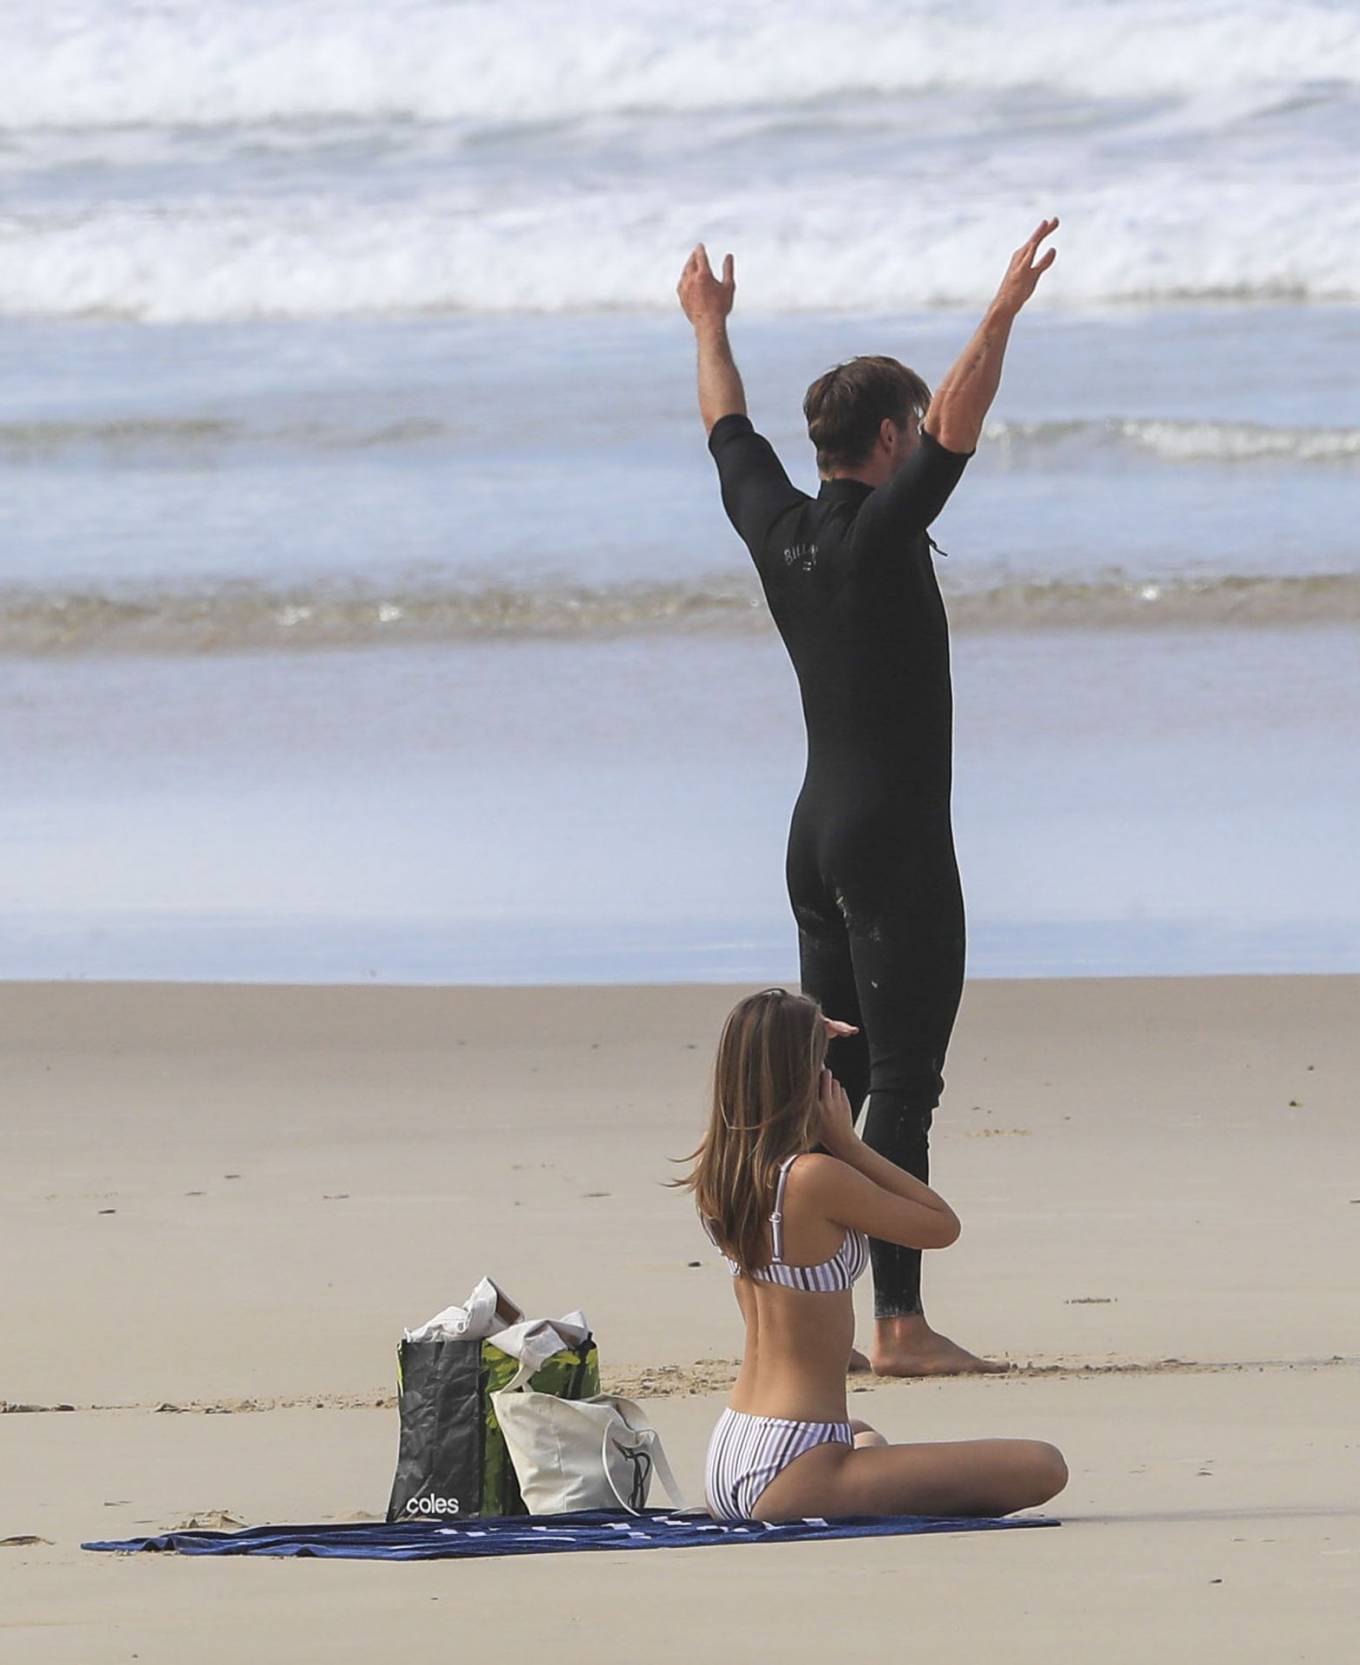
{"x": 747, "y": 1452}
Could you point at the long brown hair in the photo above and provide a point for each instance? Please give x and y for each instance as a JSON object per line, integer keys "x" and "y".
{"x": 765, "y": 1108}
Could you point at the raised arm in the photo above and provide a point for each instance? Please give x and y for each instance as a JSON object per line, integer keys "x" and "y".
{"x": 964, "y": 397}
{"x": 876, "y": 1202}
{"x": 755, "y": 489}
{"x": 707, "y": 300}
{"x": 866, "y": 1192}
{"x": 906, "y": 504}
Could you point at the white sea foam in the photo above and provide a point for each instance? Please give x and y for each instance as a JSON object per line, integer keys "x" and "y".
{"x": 132, "y": 438}
{"x": 1243, "y": 442}
{"x": 1160, "y": 238}
{"x": 85, "y": 63}
{"x": 1180, "y": 441}
{"x": 307, "y": 159}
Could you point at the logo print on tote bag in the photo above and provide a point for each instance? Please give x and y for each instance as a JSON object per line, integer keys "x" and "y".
{"x": 432, "y": 1506}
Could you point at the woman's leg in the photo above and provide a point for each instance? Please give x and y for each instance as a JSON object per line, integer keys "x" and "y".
{"x": 961, "y": 1477}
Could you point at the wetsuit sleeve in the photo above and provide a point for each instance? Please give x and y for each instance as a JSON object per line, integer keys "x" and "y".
{"x": 755, "y": 488}
{"x": 904, "y": 506}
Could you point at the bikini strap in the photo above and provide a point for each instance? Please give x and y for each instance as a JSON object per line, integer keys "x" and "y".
{"x": 777, "y": 1218}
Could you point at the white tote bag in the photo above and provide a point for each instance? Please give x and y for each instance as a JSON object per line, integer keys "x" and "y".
{"x": 568, "y": 1454}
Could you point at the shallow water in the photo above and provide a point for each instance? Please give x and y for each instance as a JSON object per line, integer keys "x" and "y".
{"x": 546, "y": 811}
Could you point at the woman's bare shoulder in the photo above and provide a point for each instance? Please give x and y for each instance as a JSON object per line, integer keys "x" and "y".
{"x": 828, "y": 1183}
{"x": 815, "y": 1170}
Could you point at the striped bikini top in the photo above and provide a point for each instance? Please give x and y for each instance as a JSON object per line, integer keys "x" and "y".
{"x": 840, "y": 1272}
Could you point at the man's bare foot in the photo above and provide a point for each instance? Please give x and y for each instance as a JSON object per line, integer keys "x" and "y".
{"x": 907, "y": 1346}
{"x": 858, "y": 1362}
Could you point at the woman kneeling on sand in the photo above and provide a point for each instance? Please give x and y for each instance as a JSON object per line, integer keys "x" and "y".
{"x": 791, "y": 1195}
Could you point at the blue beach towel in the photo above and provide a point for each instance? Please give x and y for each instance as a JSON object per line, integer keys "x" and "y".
{"x": 551, "y": 1535}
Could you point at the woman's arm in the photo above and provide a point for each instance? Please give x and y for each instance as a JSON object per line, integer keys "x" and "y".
{"x": 866, "y": 1192}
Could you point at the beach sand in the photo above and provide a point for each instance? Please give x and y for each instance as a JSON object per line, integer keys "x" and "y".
{"x": 222, "y": 1204}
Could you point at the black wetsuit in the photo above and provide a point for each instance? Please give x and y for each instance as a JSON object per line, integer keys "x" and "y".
{"x": 850, "y": 581}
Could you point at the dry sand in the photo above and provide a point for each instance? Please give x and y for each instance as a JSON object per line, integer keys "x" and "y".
{"x": 231, "y": 1200}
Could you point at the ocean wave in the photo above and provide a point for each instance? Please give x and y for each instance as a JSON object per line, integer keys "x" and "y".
{"x": 1164, "y": 237}
{"x": 1177, "y": 441}
{"x": 131, "y": 438}
{"x": 1039, "y": 444}
{"x": 243, "y": 617}
{"x": 86, "y": 64}
{"x": 1241, "y": 442}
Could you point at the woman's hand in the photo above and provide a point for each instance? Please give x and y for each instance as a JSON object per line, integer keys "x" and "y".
{"x": 838, "y": 1030}
{"x": 838, "y": 1126}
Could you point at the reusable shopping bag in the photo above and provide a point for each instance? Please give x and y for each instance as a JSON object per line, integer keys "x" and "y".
{"x": 452, "y": 1460}
{"x": 574, "y": 1452}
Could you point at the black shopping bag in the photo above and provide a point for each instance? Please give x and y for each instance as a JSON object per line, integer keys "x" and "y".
{"x": 451, "y": 1459}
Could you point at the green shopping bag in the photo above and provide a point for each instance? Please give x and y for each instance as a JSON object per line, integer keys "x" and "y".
{"x": 451, "y": 1458}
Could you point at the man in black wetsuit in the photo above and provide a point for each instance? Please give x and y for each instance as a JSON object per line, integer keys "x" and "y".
{"x": 851, "y": 586}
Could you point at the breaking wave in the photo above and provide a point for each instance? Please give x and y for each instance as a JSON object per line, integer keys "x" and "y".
{"x": 1178, "y": 441}
{"x": 198, "y": 438}
{"x": 600, "y": 248}
{"x": 177, "y": 63}
{"x": 171, "y": 160}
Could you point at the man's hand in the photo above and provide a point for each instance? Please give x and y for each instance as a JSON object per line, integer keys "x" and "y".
{"x": 1022, "y": 275}
{"x": 965, "y": 395}
{"x": 705, "y": 298}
